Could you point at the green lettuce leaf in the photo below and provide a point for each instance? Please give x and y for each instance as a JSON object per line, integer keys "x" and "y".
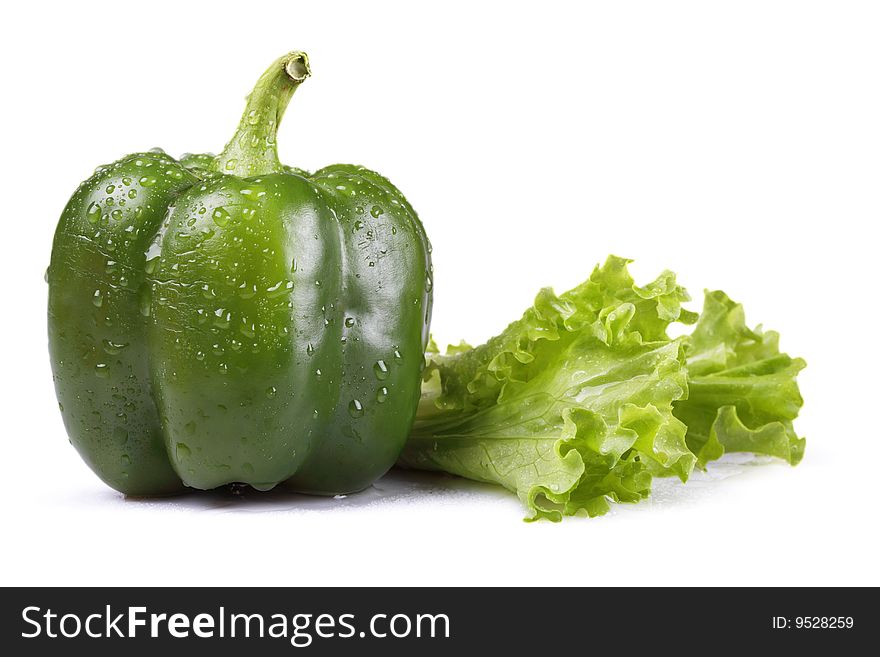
{"x": 572, "y": 405}
{"x": 743, "y": 393}
{"x": 586, "y": 398}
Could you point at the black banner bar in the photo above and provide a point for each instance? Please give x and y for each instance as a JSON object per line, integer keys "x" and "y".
{"x": 279, "y": 621}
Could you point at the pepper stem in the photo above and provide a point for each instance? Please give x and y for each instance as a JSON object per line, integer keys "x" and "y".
{"x": 253, "y": 151}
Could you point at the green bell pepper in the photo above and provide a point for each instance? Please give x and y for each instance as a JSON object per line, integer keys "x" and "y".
{"x": 230, "y": 319}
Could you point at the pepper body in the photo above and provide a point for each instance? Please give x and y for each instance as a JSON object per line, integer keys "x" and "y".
{"x": 230, "y": 319}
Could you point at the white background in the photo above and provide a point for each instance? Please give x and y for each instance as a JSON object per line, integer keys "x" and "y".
{"x": 736, "y": 143}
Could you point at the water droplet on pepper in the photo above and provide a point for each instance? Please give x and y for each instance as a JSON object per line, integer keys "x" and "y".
{"x": 355, "y": 408}
{"x": 380, "y": 369}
